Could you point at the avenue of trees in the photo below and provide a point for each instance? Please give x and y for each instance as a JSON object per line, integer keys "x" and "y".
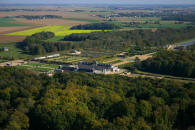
{"x": 178, "y": 63}
{"x": 77, "y": 101}
{"x": 96, "y": 26}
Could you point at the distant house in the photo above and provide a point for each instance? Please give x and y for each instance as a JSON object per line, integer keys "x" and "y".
{"x": 75, "y": 52}
{"x": 45, "y": 57}
{"x": 5, "y": 49}
{"x": 54, "y": 55}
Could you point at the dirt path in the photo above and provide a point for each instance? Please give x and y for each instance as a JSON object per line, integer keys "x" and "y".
{"x": 13, "y": 63}
{"x": 127, "y": 60}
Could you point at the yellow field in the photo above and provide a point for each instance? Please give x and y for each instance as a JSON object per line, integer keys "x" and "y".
{"x": 58, "y": 30}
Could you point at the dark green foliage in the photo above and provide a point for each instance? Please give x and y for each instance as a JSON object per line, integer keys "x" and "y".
{"x": 34, "y": 44}
{"x": 87, "y": 101}
{"x": 178, "y": 63}
{"x": 96, "y": 26}
{"x": 134, "y": 40}
{"x": 180, "y": 17}
{"x": 43, "y": 35}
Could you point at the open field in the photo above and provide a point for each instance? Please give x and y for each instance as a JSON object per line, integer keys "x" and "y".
{"x": 58, "y": 30}
{"x": 82, "y": 19}
{"x": 38, "y": 66}
{"x": 5, "y": 30}
{"x": 47, "y": 22}
{"x": 6, "y": 22}
{"x": 13, "y": 53}
{"x": 68, "y": 18}
{"x": 66, "y": 59}
{"x": 11, "y": 39}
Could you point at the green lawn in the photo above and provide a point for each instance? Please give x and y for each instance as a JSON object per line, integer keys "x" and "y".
{"x": 7, "y": 22}
{"x": 13, "y": 53}
{"x": 58, "y": 30}
{"x": 38, "y": 66}
{"x": 116, "y": 61}
{"x": 66, "y": 59}
{"x": 56, "y": 38}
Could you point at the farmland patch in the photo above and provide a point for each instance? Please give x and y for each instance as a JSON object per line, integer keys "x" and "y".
{"x": 7, "y": 22}
{"x": 58, "y": 30}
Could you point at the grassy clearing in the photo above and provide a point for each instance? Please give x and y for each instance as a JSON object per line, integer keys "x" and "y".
{"x": 13, "y": 53}
{"x": 104, "y": 59}
{"x": 56, "y": 38}
{"x": 58, "y": 30}
{"x": 80, "y": 19}
{"x": 7, "y": 22}
{"x": 116, "y": 61}
{"x": 38, "y": 66}
{"x": 66, "y": 59}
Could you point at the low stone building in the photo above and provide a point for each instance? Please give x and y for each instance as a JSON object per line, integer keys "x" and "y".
{"x": 95, "y": 67}
{"x": 5, "y": 49}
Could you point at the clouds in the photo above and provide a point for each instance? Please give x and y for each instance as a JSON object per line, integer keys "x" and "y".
{"x": 98, "y": 1}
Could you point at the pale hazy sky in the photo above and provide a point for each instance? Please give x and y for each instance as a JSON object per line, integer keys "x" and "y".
{"x": 97, "y": 1}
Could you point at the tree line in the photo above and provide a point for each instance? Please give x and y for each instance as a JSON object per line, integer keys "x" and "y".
{"x": 88, "y": 101}
{"x": 178, "y": 63}
{"x": 136, "y": 40}
{"x": 96, "y": 26}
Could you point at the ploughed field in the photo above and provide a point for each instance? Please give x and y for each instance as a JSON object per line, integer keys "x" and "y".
{"x": 58, "y": 30}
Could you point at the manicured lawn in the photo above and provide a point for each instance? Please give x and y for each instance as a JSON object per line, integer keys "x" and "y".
{"x": 13, "y": 52}
{"x": 116, "y": 61}
{"x": 58, "y": 30}
{"x": 7, "y": 22}
{"x": 39, "y": 66}
{"x": 56, "y": 38}
{"x": 66, "y": 59}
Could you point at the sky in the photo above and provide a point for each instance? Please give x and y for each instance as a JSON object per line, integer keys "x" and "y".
{"x": 97, "y": 1}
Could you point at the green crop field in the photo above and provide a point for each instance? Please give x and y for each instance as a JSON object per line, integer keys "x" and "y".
{"x": 66, "y": 59}
{"x": 58, "y": 30}
{"x": 7, "y": 22}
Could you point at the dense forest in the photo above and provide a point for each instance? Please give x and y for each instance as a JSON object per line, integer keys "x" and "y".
{"x": 96, "y": 26}
{"x": 177, "y": 63}
{"x": 34, "y": 44}
{"x": 133, "y": 41}
{"x": 87, "y": 101}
